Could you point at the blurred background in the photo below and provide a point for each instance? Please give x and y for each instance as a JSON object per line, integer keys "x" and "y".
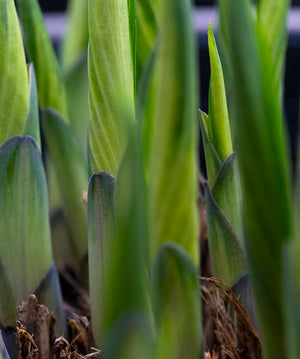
{"x": 205, "y": 13}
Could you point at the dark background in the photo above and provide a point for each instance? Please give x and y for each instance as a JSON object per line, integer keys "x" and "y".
{"x": 59, "y": 5}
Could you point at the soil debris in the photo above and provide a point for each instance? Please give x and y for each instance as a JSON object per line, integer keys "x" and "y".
{"x": 228, "y": 329}
{"x": 33, "y": 329}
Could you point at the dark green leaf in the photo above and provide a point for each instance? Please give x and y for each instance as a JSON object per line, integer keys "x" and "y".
{"x": 101, "y": 235}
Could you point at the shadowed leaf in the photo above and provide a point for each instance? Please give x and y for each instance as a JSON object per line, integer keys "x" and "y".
{"x": 101, "y": 235}
{"x": 71, "y": 171}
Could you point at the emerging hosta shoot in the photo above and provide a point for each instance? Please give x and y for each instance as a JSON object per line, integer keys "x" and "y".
{"x": 222, "y": 192}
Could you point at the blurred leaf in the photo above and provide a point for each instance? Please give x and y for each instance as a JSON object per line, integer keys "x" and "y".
{"x": 145, "y": 105}
{"x": 100, "y": 234}
{"x": 133, "y": 33}
{"x": 291, "y": 298}
{"x": 41, "y": 53}
{"x": 176, "y": 303}
{"x": 227, "y": 257}
{"x": 25, "y": 246}
{"x": 77, "y": 85}
{"x": 263, "y": 165}
{"x": 212, "y": 159}
{"x": 173, "y": 162}
{"x": 133, "y": 337}
{"x": 32, "y": 124}
{"x": 218, "y": 121}
{"x": 61, "y": 240}
{"x": 243, "y": 291}
{"x": 76, "y": 37}
{"x": 225, "y": 191}
{"x": 70, "y": 167}
{"x": 13, "y": 73}
{"x": 272, "y": 15}
{"x": 111, "y": 83}
{"x": 146, "y": 32}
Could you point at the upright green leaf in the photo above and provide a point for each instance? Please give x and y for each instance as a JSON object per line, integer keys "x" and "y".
{"x": 41, "y": 53}
{"x": 218, "y": 121}
{"x": 111, "y": 82}
{"x": 173, "y": 159}
{"x": 25, "y": 246}
{"x": 71, "y": 170}
{"x": 176, "y": 304}
{"x": 263, "y": 164}
{"x": 13, "y": 73}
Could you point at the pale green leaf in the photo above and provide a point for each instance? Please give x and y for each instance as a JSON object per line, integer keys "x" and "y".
{"x": 41, "y": 53}
{"x": 13, "y": 73}
{"x": 25, "y": 246}
{"x": 263, "y": 165}
{"x": 71, "y": 171}
{"x": 176, "y": 303}
{"x": 218, "y": 121}
{"x": 227, "y": 257}
{"x": 111, "y": 75}
{"x": 173, "y": 160}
